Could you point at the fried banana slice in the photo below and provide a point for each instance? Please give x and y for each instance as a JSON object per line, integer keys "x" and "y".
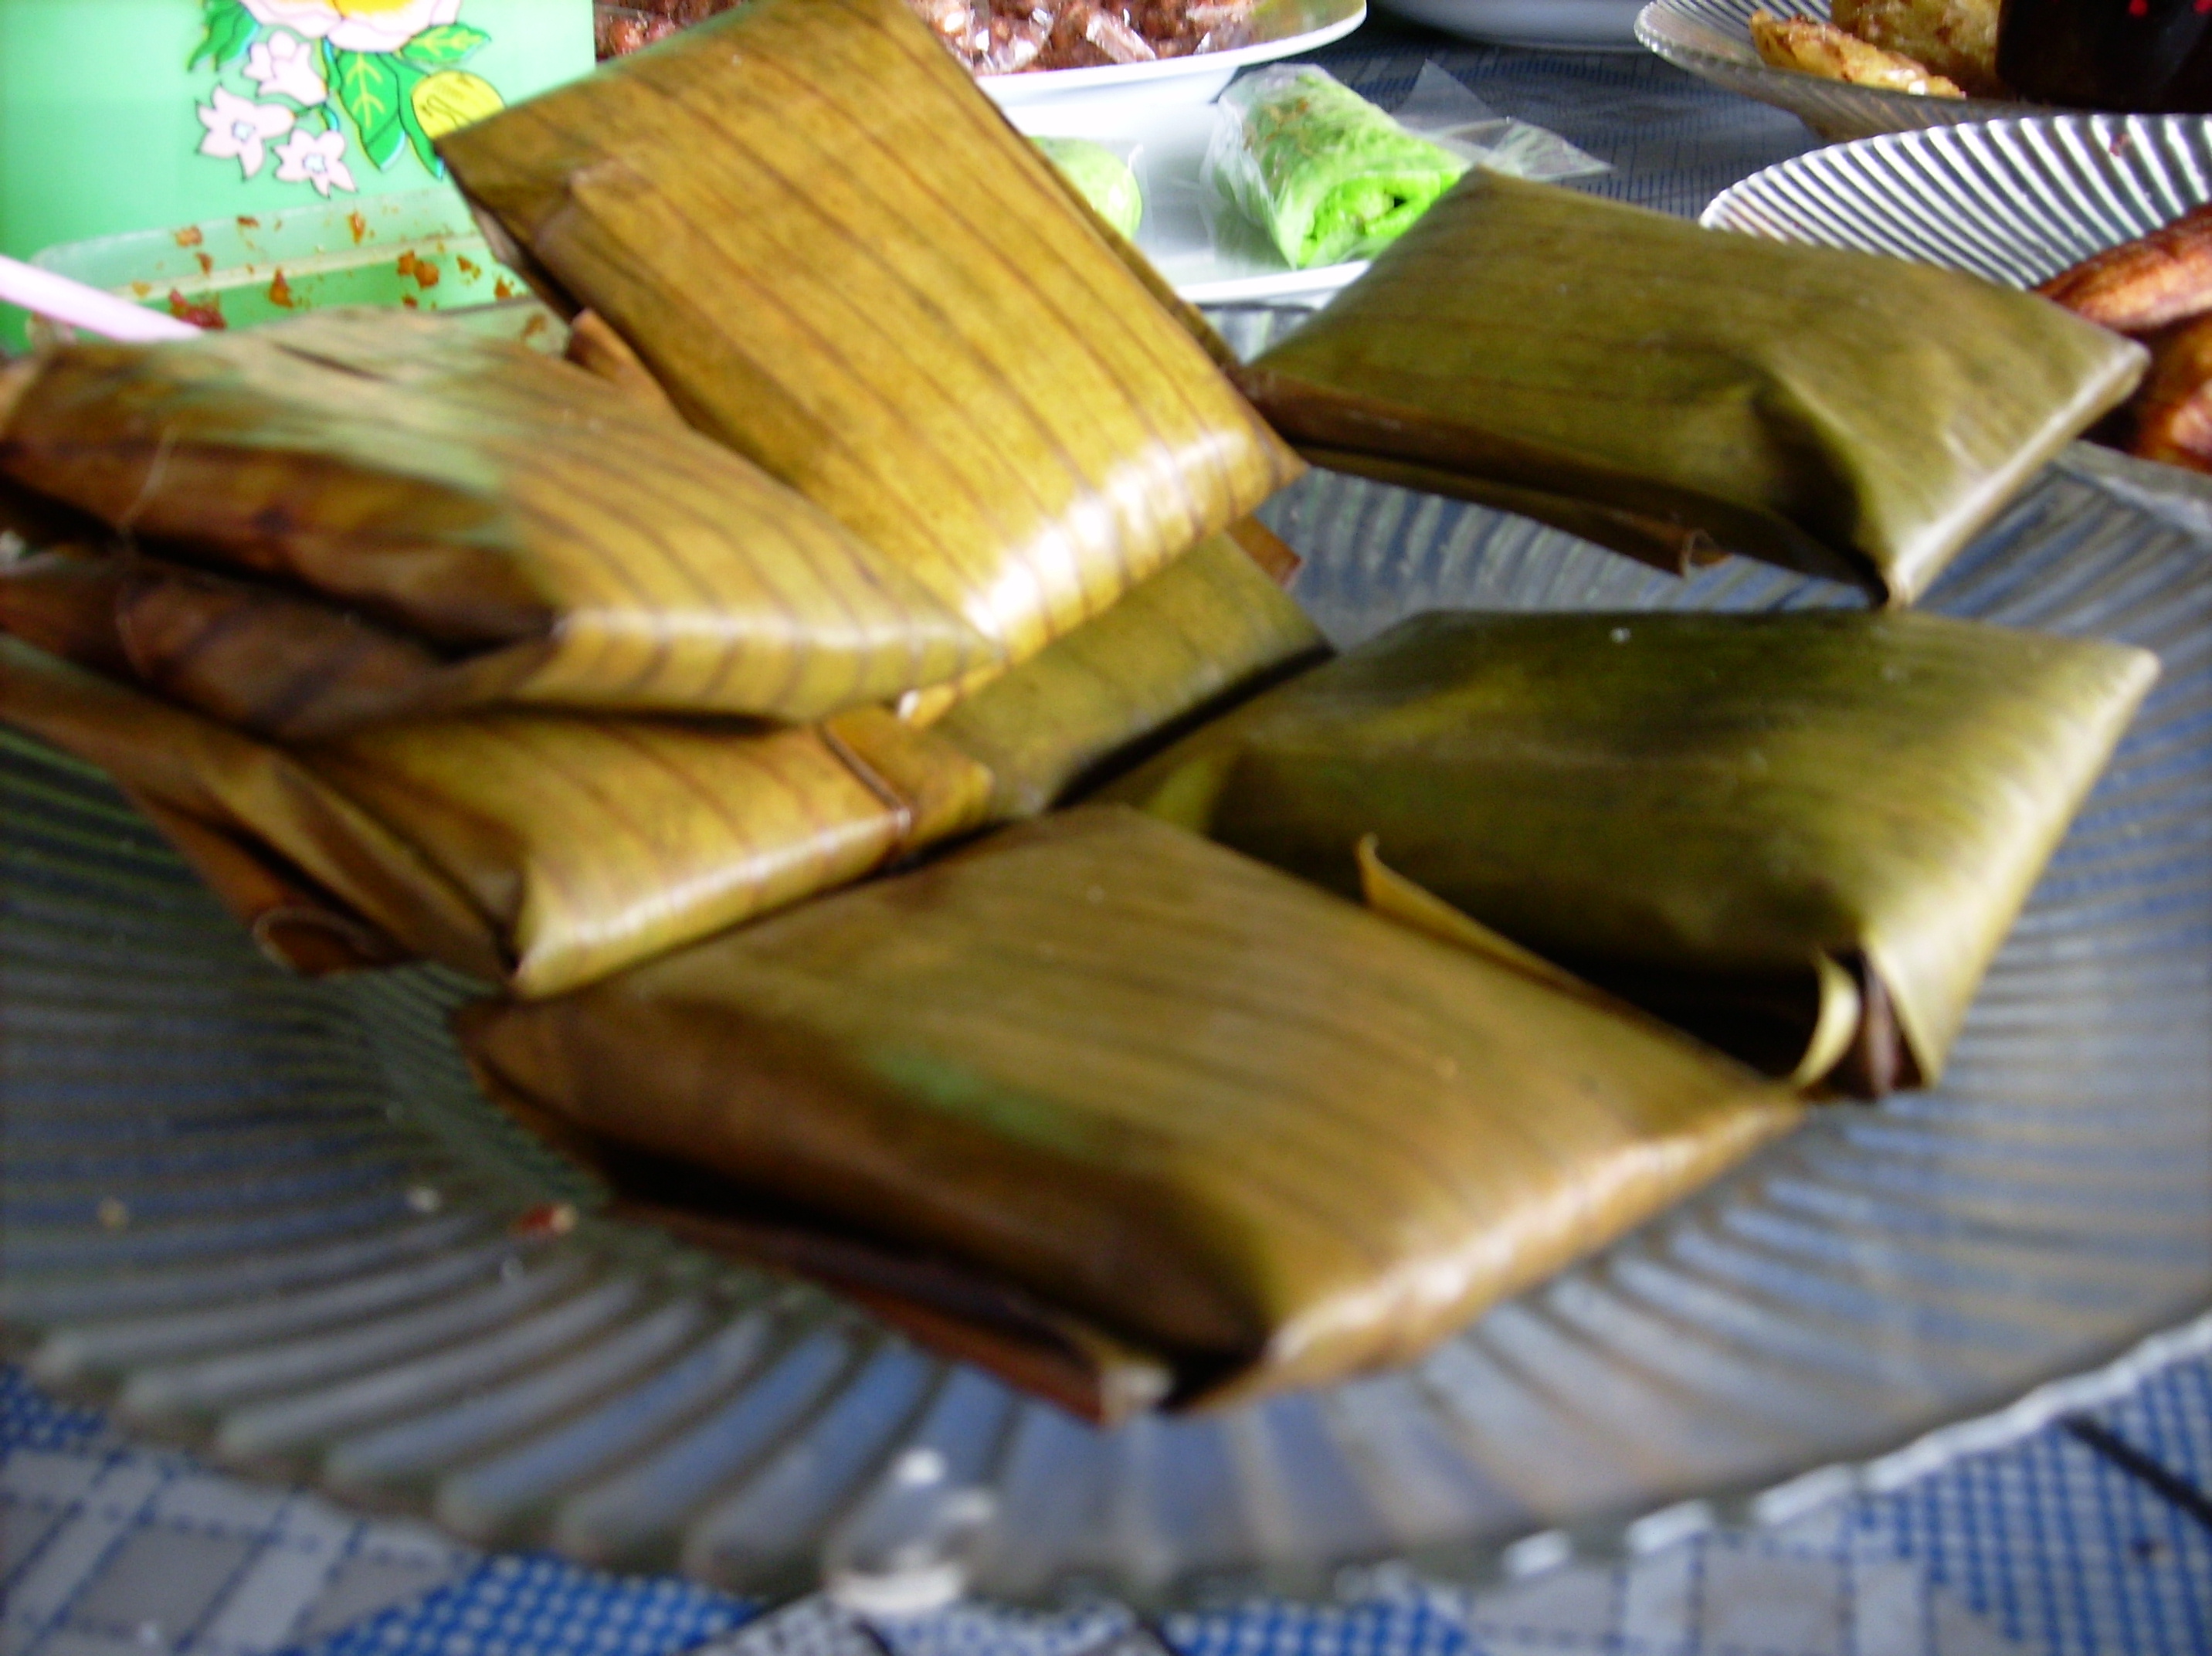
{"x": 1955, "y": 38}
{"x": 2146, "y": 285}
{"x": 2173, "y": 409}
{"x": 1816, "y": 48}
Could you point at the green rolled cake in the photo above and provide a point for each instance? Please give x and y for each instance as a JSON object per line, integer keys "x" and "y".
{"x": 1101, "y": 178}
{"x": 1326, "y": 174}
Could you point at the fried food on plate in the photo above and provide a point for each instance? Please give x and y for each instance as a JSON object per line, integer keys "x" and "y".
{"x": 1956, "y": 39}
{"x": 1816, "y": 48}
{"x": 2146, "y": 285}
{"x": 2174, "y": 411}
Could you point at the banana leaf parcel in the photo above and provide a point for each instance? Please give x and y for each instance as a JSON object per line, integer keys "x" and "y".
{"x": 1802, "y": 836}
{"x": 1206, "y": 1109}
{"x": 1210, "y": 630}
{"x": 1668, "y": 391}
{"x": 539, "y": 850}
{"x": 837, "y": 256}
{"x": 488, "y": 524}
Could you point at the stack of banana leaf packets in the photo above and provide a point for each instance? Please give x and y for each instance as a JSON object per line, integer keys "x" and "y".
{"x": 851, "y": 720}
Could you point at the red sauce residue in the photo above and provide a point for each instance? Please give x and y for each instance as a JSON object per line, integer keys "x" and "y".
{"x": 547, "y": 1219}
{"x": 207, "y": 265}
{"x": 358, "y": 225}
{"x": 208, "y": 315}
{"x": 426, "y": 274}
{"x": 502, "y": 289}
{"x": 280, "y": 292}
{"x": 533, "y": 327}
{"x": 469, "y": 266}
{"x": 247, "y": 222}
{"x": 190, "y": 236}
{"x": 410, "y": 302}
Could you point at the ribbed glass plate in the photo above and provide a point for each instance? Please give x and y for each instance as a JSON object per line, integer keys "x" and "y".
{"x": 1711, "y": 39}
{"x": 273, "y": 1221}
{"x": 2014, "y": 202}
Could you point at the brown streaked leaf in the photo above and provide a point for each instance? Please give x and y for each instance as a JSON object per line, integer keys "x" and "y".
{"x": 838, "y": 257}
{"x": 1802, "y": 835}
{"x": 1166, "y": 1091}
{"x": 535, "y": 850}
{"x": 554, "y": 539}
{"x": 1823, "y": 410}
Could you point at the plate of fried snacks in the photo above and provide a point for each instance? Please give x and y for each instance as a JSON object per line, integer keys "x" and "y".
{"x": 1848, "y": 68}
{"x": 2108, "y": 215}
{"x": 916, "y": 920}
{"x": 1180, "y": 51}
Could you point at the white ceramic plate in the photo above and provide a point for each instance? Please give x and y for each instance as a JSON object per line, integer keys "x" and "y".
{"x": 1212, "y": 255}
{"x": 1571, "y": 24}
{"x": 1711, "y": 39}
{"x": 2015, "y": 201}
{"x": 1280, "y": 28}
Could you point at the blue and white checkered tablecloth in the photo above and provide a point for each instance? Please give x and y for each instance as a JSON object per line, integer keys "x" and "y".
{"x": 2095, "y": 1535}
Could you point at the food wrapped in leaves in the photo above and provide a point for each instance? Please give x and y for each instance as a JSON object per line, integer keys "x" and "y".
{"x": 1802, "y": 836}
{"x": 538, "y": 850}
{"x": 1211, "y": 629}
{"x": 1219, "y": 1114}
{"x": 838, "y": 259}
{"x": 1101, "y": 176}
{"x": 1666, "y": 390}
{"x": 1327, "y": 174}
{"x": 491, "y": 525}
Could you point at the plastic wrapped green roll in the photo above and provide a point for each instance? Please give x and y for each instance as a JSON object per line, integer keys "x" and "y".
{"x": 1167, "y": 1091}
{"x": 1802, "y": 836}
{"x": 489, "y": 526}
{"x": 1101, "y": 178}
{"x": 1670, "y": 390}
{"x": 1326, "y": 174}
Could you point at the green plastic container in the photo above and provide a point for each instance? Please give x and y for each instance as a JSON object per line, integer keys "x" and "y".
{"x": 121, "y": 115}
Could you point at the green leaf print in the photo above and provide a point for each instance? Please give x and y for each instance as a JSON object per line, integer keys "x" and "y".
{"x": 230, "y": 30}
{"x": 443, "y": 47}
{"x": 370, "y": 90}
{"x": 426, "y": 151}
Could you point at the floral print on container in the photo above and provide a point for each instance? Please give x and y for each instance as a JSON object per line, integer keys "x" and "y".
{"x": 315, "y": 90}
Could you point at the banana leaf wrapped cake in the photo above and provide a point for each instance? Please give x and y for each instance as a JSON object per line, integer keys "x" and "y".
{"x": 1668, "y": 392}
{"x": 426, "y": 519}
{"x": 840, "y": 260}
{"x": 1218, "y": 1114}
{"x": 1802, "y": 835}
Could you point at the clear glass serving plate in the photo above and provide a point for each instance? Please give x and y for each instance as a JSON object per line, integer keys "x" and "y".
{"x": 1711, "y": 39}
{"x": 273, "y": 1221}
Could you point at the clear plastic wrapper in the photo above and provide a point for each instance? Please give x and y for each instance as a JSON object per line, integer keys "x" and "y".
{"x": 1103, "y": 175}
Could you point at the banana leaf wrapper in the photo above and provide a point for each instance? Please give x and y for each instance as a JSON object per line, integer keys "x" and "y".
{"x": 1219, "y": 1114}
{"x": 521, "y": 530}
{"x": 1666, "y": 390}
{"x": 1211, "y": 629}
{"x": 538, "y": 850}
{"x": 1802, "y": 835}
{"x": 837, "y": 258}
{"x": 1327, "y": 175}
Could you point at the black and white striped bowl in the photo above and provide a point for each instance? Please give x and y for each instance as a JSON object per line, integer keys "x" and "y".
{"x": 1711, "y": 39}
{"x": 2013, "y": 201}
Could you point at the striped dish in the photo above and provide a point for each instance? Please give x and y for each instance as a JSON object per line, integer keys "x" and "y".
{"x": 2012, "y": 201}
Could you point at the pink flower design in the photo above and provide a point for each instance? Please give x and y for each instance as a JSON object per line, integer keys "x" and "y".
{"x": 314, "y": 158}
{"x": 284, "y": 66}
{"x": 356, "y": 25}
{"x": 240, "y": 128}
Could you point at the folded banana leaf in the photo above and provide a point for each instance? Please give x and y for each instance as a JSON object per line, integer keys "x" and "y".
{"x": 1802, "y": 835}
{"x": 539, "y": 850}
{"x": 837, "y": 256}
{"x": 521, "y": 530}
{"x": 1209, "y": 631}
{"x": 1208, "y": 1109}
{"x": 1667, "y": 390}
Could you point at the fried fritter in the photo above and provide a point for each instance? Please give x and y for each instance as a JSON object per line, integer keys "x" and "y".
{"x": 1955, "y": 38}
{"x": 1816, "y": 48}
{"x": 2146, "y": 285}
{"x": 2173, "y": 409}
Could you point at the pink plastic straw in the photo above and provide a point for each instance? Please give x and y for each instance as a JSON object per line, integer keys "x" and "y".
{"x": 60, "y": 299}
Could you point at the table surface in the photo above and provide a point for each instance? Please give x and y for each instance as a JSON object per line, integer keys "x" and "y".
{"x": 2094, "y": 1536}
